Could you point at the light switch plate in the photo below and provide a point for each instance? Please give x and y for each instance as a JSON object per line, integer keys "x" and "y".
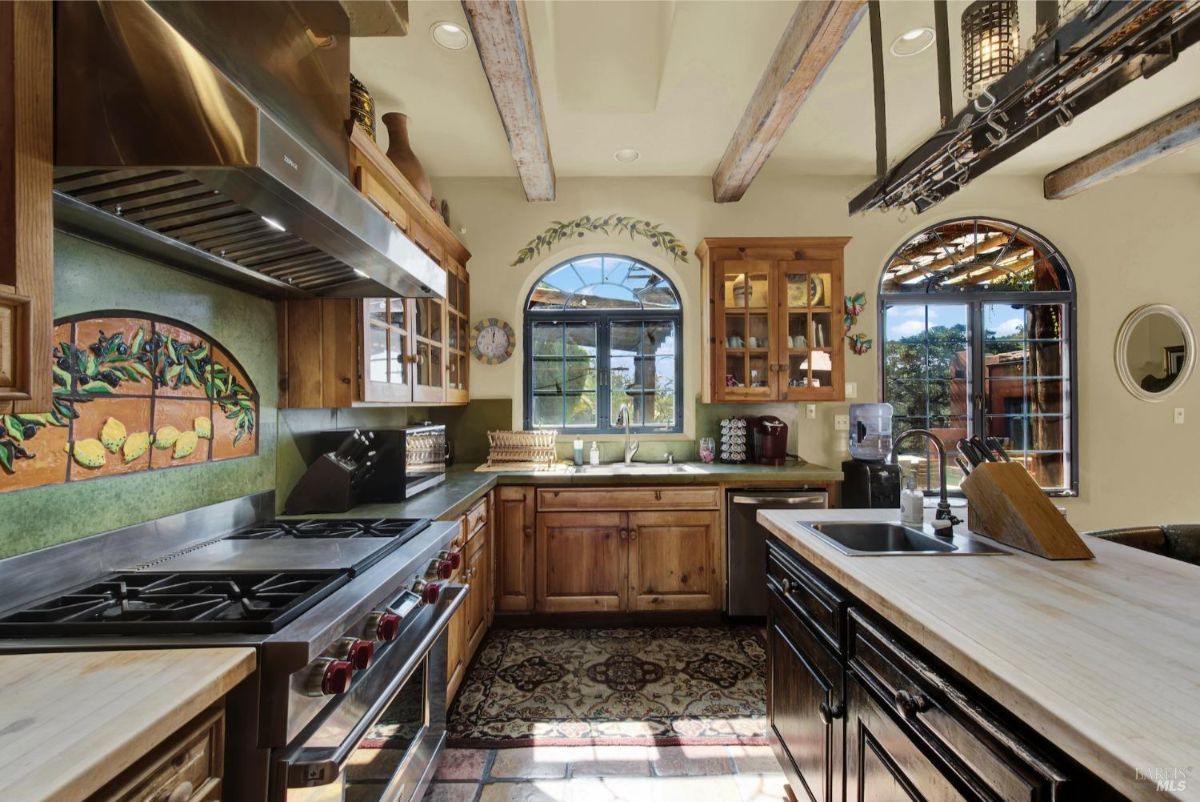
{"x": 841, "y": 423}
{"x": 852, "y": 389}
{"x": 1179, "y": 414}
{"x": 810, "y": 412}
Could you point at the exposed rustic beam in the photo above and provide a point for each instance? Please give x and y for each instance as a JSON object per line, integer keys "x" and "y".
{"x": 814, "y": 35}
{"x": 1166, "y": 135}
{"x": 501, "y": 34}
{"x": 988, "y": 242}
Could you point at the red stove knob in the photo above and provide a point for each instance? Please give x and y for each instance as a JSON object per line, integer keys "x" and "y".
{"x": 329, "y": 676}
{"x": 445, "y": 569}
{"x": 360, "y": 653}
{"x": 432, "y": 593}
{"x": 452, "y": 557}
{"x": 387, "y": 627}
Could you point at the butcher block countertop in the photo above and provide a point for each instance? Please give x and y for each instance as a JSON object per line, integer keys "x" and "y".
{"x": 72, "y": 721}
{"x": 1102, "y": 657}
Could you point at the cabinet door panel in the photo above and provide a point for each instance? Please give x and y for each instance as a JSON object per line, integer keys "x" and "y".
{"x": 581, "y": 561}
{"x": 743, "y": 351}
{"x": 810, "y": 329}
{"x": 456, "y": 643}
{"x": 882, "y": 763}
{"x": 674, "y": 560}
{"x": 515, "y": 549}
{"x": 477, "y": 575}
{"x": 804, "y": 706}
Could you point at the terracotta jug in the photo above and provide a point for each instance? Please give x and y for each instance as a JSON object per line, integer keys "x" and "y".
{"x": 402, "y": 156}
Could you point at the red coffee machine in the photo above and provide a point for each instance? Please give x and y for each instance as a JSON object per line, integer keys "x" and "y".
{"x": 770, "y": 440}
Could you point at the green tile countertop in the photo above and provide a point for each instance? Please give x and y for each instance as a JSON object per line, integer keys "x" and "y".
{"x": 464, "y": 485}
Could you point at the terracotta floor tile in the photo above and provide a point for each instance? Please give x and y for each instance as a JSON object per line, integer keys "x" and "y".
{"x": 686, "y": 761}
{"x": 613, "y": 761}
{"x": 754, "y": 759}
{"x": 695, "y": 789}
{"x": 611, "y": 789}
{"x": 537, "y": 762}
{"x": 536, "y": 791}
{"x": 761, "y": 787}
{"x": 373, "y": 764}
{"x": 462, "y": 764}
{"x": 451, "y": 792}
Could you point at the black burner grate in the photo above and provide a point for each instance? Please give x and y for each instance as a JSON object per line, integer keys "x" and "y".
{"x": 401, "y": 528}
{"x": 159, "y": 603}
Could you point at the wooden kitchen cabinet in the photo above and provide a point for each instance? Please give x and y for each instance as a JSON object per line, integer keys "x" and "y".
{"x": 470, "y": 622}
{"x": 338, "y": 352}
{"x": 581, "y": 561}
{"x": 187, "y": 767}
{"x": 514, "y": 520}
{"x": 597, "y": 551}
{"x": 774, "y": 329}
{"x": 675, "y": 560}
{"x": 456, "y": 630}
{"x": 26, "y": 214}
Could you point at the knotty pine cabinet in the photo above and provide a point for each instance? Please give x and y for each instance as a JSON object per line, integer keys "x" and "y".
{"x": 26, "y": 213}
{"x": 628, "y": 549}
{"x": 471, "y": 621}
{"x": 339, "y": 352}
{"x": 514, "y": 515}
{"x": 774, "y": 330}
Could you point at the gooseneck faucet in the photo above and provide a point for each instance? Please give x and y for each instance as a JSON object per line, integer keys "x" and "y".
{"x": 943, "y": 507}
{"x": 623, "y": 416}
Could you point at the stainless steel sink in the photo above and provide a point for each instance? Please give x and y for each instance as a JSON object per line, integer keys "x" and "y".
{"x": 621, "y": 469}
{"x": 873, "y": 538}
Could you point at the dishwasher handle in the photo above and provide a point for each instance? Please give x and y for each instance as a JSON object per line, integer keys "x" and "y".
{"x": 804, "y": 500}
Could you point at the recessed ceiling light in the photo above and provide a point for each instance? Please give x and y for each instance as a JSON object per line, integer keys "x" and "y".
{"x": 910, "y": 43}
{"x": 627, "y": 155}
{"x": 450, "y": 35}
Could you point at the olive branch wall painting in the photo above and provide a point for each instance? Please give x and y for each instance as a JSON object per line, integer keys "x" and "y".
{"x": 132, "y": 392}
{"x": 610, "y": 225}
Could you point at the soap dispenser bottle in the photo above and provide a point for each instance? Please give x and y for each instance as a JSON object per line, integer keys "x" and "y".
{"x": 912, "y": 503}
{"x": 595, "y": 455}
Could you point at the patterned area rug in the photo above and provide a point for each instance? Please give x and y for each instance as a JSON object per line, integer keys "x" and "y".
{"x": 631, "y": 686}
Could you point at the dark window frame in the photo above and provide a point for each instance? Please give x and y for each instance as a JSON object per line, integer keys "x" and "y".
{"x": 975, "y": 301}
{"x": 604, "y": 320}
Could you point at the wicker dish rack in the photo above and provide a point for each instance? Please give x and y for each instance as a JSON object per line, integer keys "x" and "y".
{"x": 522, "y": 450}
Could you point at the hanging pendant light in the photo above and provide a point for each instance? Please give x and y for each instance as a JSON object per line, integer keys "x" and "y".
{"x": 990, "y": 35}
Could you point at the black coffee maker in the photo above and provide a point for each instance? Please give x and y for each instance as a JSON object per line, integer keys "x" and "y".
{"x": 869, "y": 480}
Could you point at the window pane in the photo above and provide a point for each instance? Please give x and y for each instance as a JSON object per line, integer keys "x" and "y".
{"x": 547, "y": 339}
{"x": 581, "y": 410}
{"x": 593, "y": 283}
{"x": 548, "y": 411}
{"x": 378, "y": 351}
{"x": 547, "y": 376}
{"x": 581, "y": 375}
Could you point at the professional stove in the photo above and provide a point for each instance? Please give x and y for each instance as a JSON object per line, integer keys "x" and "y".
{"x": 347, "y": 617}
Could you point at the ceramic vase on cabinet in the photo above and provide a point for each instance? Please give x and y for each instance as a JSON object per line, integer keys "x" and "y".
{"x": 402, "y": 156}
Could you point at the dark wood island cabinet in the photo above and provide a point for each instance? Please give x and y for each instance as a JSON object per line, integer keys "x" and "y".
{"x": 858, "y": 712}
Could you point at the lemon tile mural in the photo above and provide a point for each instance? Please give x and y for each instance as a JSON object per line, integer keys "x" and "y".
{"x": 132, "y": 392}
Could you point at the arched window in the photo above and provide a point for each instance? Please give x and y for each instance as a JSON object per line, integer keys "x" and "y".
{"x": 602, "y": 332}
{"x": 978, "y": 323}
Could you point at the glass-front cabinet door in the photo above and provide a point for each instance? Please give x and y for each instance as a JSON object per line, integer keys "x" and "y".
{"x": 743, "y": 367}
{"x": 387, "y": 351}
{"x": 458, "y": 339}
{"x": 809, "y": 335}
{"x": 429, "y": 326}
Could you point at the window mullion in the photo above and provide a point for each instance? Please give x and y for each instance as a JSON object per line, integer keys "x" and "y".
{"x": 603, "y": 361}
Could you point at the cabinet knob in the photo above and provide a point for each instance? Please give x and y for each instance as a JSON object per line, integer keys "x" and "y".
{"x": 633, "y": 533}
{"x": 624, "y": 533}
{"x": 911, "y": 703}
{"x": 180, "y": 793}
{"x": 787, "y": 585}
{"x": 829, "y": 712}
{"x": 529, "y": 531}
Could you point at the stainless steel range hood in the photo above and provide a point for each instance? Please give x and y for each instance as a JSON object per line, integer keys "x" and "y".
{"x": 157, "y": 151}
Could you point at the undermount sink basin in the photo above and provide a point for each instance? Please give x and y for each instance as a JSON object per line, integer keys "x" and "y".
{"x": 871, "y": 538}
{"x": 620, "y": 469}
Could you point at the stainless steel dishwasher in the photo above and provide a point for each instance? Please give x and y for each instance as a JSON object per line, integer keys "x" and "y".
{"x": 746, "y": 542}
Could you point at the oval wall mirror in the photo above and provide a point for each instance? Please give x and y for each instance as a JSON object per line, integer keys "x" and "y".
{"x": 1156, "y": 351}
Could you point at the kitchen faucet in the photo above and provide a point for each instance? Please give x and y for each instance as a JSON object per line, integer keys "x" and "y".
{"x": 943, "y": 507}
{"x": 623, "y": 416}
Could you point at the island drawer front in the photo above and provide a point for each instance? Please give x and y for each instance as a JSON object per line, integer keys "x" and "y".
{"x": 187, "y": 767}
{"x": 810, "y": 595}
{"x": 984, "y": 755}
{"x": 628, "y": 498}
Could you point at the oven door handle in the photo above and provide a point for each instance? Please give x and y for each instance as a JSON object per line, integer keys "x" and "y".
{"x": 309, "y": 766}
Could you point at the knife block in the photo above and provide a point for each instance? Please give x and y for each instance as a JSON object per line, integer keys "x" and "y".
{"x": 1006, "y": 504}
{"x": 325, "y": 487}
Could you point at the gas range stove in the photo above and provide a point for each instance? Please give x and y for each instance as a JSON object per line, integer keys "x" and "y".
{"x": 346, "y": 616}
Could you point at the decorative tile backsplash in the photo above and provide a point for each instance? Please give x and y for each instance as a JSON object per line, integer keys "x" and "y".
{"x": 132, "y": 392}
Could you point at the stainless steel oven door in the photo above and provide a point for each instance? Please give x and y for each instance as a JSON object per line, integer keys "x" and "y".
{"x": 400, "y": 702}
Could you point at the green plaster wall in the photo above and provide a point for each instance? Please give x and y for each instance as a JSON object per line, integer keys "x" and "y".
{"x": 91, "y": 277}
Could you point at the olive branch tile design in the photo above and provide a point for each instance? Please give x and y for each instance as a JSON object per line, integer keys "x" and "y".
{"x": 609, "y": 225}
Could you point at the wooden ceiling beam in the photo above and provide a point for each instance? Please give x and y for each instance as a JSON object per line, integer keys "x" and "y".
{"x": 1168, "y": 134}
{"x": 814, "y": 35}
{"x": 501, "y": 33}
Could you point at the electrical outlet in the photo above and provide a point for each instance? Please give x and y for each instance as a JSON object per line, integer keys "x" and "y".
{"x": 1179, "y": 414}
{"x": 841, "y": 423}
{"x": 852, "y": 389}
{"x": 810, "y": 412}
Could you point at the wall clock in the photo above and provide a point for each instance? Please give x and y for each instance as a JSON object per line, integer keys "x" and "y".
{"x": 492, "y": 341}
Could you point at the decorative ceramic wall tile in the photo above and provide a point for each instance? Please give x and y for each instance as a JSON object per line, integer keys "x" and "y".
{"x": 132, "y": 392}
